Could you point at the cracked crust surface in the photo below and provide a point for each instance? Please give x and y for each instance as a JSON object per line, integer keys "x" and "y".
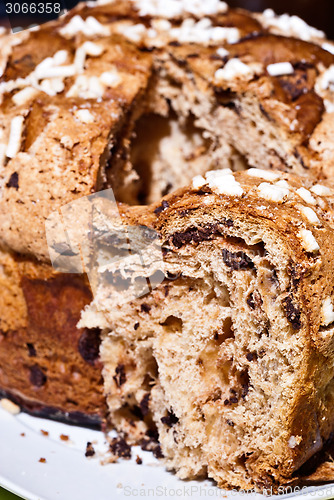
{"x": 284, "y": 115}
{"x": 62, "y": 158}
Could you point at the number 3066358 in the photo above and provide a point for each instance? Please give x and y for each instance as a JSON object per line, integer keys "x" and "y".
{"x": 33, "y": 8}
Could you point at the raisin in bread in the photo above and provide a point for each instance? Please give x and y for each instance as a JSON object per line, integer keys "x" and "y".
{"x": 231, "y": 355}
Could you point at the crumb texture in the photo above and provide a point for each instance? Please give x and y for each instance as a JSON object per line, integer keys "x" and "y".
{"x": 245, "y": 276}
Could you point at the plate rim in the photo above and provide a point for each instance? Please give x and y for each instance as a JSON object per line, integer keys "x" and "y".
{"x": 324, "y": 492}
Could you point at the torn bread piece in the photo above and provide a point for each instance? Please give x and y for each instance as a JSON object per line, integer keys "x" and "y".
{"x": 230, "y": 357}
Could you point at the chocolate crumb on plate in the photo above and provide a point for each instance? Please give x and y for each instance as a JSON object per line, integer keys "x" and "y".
{"x": 120, "y": 448}
{"x": 90, "y": 452}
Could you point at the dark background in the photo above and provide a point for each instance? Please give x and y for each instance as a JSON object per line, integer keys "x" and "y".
{"x": 318, "y": 13}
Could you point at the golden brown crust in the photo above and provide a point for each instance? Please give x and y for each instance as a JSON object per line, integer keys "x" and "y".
{"x": 48, "y": 365}
{"x": 62, "y": 158}
{"x": 76, "y": 153}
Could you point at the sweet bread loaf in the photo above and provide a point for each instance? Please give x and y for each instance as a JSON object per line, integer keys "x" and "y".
{"x": 231, "y": 356}
{"x": 210, "y": 87}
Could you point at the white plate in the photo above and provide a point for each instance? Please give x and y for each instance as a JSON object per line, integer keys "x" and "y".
{"x": 69, "y": 475}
